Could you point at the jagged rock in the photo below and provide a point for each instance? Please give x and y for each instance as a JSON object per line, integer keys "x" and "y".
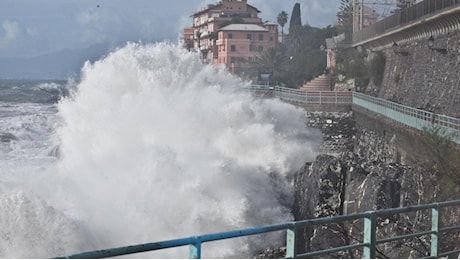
{"x": 272, "y": 253}
{"x": 365, "y": 175}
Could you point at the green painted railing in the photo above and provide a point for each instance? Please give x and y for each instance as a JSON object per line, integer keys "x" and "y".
{"x": 412, "y": 117}
{"x": 369, "y": 243}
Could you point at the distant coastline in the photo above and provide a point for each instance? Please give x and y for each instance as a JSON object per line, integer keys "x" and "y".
{"x": 54, "y": 66}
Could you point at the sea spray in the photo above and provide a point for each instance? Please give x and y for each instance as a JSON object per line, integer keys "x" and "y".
{"x": 155, "y": 145}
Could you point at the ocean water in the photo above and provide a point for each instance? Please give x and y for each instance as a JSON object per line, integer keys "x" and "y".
{"x": 148, "y": 145}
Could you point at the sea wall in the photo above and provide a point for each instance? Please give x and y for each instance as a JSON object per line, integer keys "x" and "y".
{"x": 425, "y": 78}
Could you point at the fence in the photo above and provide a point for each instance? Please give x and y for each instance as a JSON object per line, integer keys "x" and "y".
{"x": 403, "y": 17}
{"x": 412, "y": 117}
{"x": 368, "y": 245}
{"x": 306, "y": 97}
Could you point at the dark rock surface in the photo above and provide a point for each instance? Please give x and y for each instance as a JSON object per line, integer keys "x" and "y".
{"x": 362, "y": 172}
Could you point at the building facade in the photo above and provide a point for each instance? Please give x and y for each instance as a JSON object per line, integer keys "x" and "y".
{"x": 239, "y": 44}
{"x": 230, "y": 33}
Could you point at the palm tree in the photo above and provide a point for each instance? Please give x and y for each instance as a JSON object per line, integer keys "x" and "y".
{"x": 270, "y": 61}
{"x": 282, "y": 20}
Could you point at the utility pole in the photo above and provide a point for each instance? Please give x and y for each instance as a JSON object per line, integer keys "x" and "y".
{"x": 358, "y": 10}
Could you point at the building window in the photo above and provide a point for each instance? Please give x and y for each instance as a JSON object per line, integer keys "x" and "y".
{"x": 230, "y": 36}
{"x": 233, "y": 48}
{"x": 271, "y": 38}
{"x": 261, "y": 37}
{"x": 233, "y": 59}
{"x": 261, "y": 48}
{"x": 249, "y": 36}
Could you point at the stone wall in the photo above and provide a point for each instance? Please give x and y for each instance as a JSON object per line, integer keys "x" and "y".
{"x": 425, "y": 78}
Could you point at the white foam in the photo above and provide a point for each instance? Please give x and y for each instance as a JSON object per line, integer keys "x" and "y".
{"x": 154, "y": 146}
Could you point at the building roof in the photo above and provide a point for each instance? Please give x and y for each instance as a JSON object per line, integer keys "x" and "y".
{"x": 243, "y": 27}
{"x": 218, "y": 7}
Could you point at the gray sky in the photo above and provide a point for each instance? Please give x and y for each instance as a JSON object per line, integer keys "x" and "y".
{"x": 32, "y": 27}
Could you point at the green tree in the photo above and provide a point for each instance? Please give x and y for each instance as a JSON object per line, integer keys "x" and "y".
{"x": 272, "y": 61}
{"x": 308, "y": 60}
{"x": 295, "y": 24}
{"x": 345, "y": 19}
{"x": 353, "y": 65}
{"x": 345, "y": 15}
{"x": 294, "y": 39}
{"x": 282, "y": 20}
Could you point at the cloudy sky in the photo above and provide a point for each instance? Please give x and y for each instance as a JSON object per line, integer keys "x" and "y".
{"x": 33, "y": 27}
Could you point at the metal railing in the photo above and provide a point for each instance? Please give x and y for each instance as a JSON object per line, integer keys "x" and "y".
{"x": 403, "y": 17}
{"x": 314, "y": 97}
{"x": 305, "y": 97}
{"x": 368, "y": 244}
{"x": 412, "y": 117}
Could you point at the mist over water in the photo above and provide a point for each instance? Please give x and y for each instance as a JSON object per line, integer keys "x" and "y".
{"x": 154, "y": 145}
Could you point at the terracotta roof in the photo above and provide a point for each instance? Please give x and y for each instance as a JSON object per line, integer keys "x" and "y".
{"x": 217, "y": 7}
{"x": 243, "y": 27}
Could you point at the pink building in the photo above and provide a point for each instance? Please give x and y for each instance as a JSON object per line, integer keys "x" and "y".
{"x": 188, "y": 38}
{"x": 230, "y": 33}
{"x": 239, "y": 44}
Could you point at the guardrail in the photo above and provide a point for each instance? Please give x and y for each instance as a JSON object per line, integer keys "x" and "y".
{"x": 412, "y": 117}
{"x": 305, "y": 97}
{"x": 314, "y": 97}
{"x": 368, "y": 245}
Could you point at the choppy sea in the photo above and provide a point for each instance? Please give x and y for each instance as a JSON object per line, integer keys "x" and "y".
{"x": 147, "y": 145}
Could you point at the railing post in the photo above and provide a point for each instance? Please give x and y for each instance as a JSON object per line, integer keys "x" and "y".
{"x": 369, "y": 236}
{"x": 195, "y": 250}
{"x": 290, "y": 242}
{"x": 435, "y": 229}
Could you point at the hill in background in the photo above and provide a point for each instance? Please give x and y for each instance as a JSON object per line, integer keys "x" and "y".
{"x": 59, "y": 65}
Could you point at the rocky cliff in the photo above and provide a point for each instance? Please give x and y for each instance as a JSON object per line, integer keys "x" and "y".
{"x": 363, "y": 171}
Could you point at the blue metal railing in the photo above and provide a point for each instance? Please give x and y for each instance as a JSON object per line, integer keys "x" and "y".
{"x": 412, "y": 117}
{"x": 368, "y": 244}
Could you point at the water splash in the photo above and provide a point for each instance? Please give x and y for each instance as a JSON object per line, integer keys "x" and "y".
{"x": 155, "y": 145}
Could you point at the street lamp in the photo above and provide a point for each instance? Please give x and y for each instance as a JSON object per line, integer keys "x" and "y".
{"x": 431, "y": 46}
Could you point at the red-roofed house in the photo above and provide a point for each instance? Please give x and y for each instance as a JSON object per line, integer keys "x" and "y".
{"x": 230, "y": 33}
